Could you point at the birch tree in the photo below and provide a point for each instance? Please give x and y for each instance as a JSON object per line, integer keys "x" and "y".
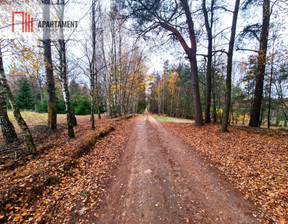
{"x": 63, "y": 70}
{"x": 20, "y": 121}
{"x": 7, "y": 127}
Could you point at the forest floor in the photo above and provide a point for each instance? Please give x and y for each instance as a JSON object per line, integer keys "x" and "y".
{"x": 142, "y": 170}
{"x": 67, "y": 176}
{"x": 255, "y": 160}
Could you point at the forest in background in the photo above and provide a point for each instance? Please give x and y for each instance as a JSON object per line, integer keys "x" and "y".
{"x": 170, "y": 93}
{"x": 106, "y": 69}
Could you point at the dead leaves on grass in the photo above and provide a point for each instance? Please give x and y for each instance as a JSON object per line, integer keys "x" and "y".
{"x": 66, "y": 181}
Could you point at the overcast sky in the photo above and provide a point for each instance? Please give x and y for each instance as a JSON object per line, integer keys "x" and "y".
{"x": 156, "y": 55}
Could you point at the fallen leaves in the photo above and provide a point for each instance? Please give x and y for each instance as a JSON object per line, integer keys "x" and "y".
{"x": 56, "y": 185}
{"x": 255, "y": 160}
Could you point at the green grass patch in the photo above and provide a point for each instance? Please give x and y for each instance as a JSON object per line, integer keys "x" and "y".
{"x": 33, "y": 118}
{"x": 174, "y": 119}
{"x": 167, "y": 119}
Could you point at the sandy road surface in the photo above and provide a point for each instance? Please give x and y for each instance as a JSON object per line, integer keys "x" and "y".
{"x": 161, "y": 180}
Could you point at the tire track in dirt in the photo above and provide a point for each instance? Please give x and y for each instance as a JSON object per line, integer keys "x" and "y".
{"x": 161, "y": 180}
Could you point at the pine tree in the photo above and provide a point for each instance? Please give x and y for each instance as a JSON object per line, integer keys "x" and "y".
{"x": 24, "y": 98}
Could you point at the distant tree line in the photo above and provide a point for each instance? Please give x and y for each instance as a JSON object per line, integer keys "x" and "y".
{"x": 28, "y": 98}
{"x": 171, "y": 94}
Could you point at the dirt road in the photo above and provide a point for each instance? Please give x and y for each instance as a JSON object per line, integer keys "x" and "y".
{"x": 161, "y": 180}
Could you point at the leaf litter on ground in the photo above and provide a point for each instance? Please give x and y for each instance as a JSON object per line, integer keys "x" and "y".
{"x": 255, "y": 160}
{"x": 67, "y": 177}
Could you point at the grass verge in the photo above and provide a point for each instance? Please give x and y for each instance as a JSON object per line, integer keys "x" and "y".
{"x": 166, "y": 119}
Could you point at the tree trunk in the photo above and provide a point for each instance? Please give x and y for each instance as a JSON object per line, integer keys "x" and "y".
{"x": 261, "y": 114}
{"x": 215, "y": 115}
{"x": 232, "y": 115}
{"x": 97, "y": 98}
{"x": 106, "y": 80}
{"x": 7, "y": 127}
{"x": 196, "y": 94}
{"x": 193, "y": 63}
{"x": 92, "y": 108}
{"x": 191, "y": 53}
{"x": 22, "y": 124}
{"x": 92, "y": 90}
{"x": 20, "y": 121}
{"x": 177, "y": 106}
{"x": 163, "y": 101}
{"x": 51, "y": 95}
{"x": 63, "y": 75}
{"x": 93, "y": 63}
{"x": 214, "y": 108}
{"x": 106, "y": 93}
{"x": 225, "y": 120}
{"x": 221, "y": 117}
{"x": 258, "y": 94}
{"x": 40, "y": 86}
{"x": 269, "y": 97}
{"x": 65, "y": 89}
{"x": 171, "y": 105}
{"x": 159, "y": 101}
{"x": 120, "y": 98}
{"x": 209, "y": 28}
{"x": 94, "y": 60}
{"x": 270, "y": 85}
